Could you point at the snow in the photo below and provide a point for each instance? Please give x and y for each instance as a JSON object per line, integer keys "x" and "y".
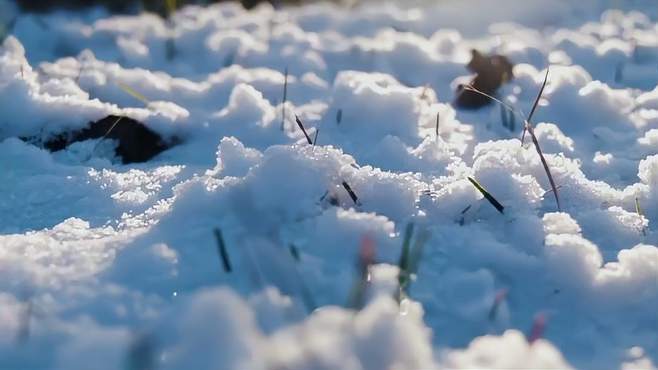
{"x": 508, "y": 351}
{"x": 117, "y": 265}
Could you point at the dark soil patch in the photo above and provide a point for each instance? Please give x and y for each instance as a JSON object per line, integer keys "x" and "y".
{"x": 137, "y": 143}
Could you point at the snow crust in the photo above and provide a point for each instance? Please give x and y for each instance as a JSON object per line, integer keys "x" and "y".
{"x": 111, "y": 264}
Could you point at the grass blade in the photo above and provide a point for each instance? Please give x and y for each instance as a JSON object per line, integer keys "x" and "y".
{"x": 475, "y": 90}
{"x": 508, "y": 119}
{"x": 315, "y": 138}
{"x": 531, "y": 131}
{"x": 503, "y": 117}
{"x": 527, "y": 128}
{"x": 294, "y": 252}
{"x": 538, "y": 327}
{"x": 132, "y": 92}
{"x": 639, "y": 212}
{"x": 305, "y": 293}
{"x": 416, "y": 253}
{"x": 223, "y": 254}
{"x": 307, "y": 297}
{"x": 6, "y": 29}
{"x": 534, "y": 107}
{"x": 24, "y": 330}
{"x": 462, "y": 220}
{"x": 619, "y": 73}
{"x": 349, "y": 190}
{"x": 498, "y": 300}
{"x": 366, "y": 259}
{"x": 171, "y": 7}
{"x": 170, "y": 46}
{"x": 499, "y": 207}
{"x": 513, "y": 112}
{"x": 409, "y": 259}
{"x": 541, "y": 92}
{"x": 141, "y": 354}
{"x": 403, "y": 263}
{"x": 112, "y": 127}
{"x": 301, "y": 126}
{"x": 93, "y": 150}
{"x": 285, "y": 99}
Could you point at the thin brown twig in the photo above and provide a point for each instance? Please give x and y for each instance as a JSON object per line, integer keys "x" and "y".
{"x": 534, "y": 107}
{"x": 528, "y": 128}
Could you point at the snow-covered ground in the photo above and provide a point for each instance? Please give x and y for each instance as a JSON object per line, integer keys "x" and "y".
{"x": 110, "y": 266}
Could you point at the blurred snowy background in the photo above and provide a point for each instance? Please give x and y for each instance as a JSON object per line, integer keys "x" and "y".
{"x": 239, "y": 245}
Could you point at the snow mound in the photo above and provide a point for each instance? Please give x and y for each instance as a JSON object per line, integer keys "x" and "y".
{"x": 244, "y": 246}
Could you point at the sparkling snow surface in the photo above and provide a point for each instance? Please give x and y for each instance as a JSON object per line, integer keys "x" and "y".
{"x": 104, "y": 265}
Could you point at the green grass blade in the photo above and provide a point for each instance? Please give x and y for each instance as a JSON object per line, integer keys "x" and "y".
{"x": 403, "y": 263}
{"x": 499, "y": 207}
{"x": 639, "y": 212}
{"x": 284, "y": 100}
{"x": 351, "y": 193}
{"x": 171, "y": 6}
{"x": 301, "y": 127}
{"x": 416, "y": 252}
{"x": 93, "y": 150}
{"x": 132, "y": 92}
{"x": 527, "y": 128}
{"x": 223, "y": 253}
{"x": 637, "y": 207}
{"x": 294, "y": 252}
